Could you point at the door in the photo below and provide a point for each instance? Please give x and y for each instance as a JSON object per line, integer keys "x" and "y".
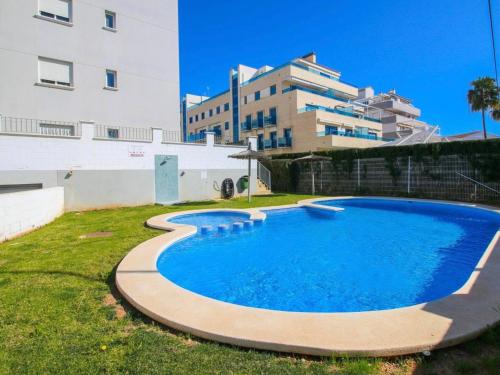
{"x": 274, "y": 139}
{"x": 166, "y": 179}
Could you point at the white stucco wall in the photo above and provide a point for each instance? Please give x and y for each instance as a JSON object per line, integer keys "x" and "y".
{"x": 143, "y": 51}
{"x": 24, "y": 211}
{"x": 38, "y": 153}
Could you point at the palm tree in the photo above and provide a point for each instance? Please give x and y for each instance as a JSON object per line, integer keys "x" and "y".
{"x": 484, "y": 97}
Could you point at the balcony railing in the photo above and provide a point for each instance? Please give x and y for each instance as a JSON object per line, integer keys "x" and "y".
{"x": 343, "y": 112}
{"x": 327, "y": 94}
{"x": 123, "y": 133}
{"x": 23, "y": 126}
{"x": 372, "y": 137}
{"x": 284, "y": 142}
{"x": 270, "y": 121}
{"x": 270, "y": 143}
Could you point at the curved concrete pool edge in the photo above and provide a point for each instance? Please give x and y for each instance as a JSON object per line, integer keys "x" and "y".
{"x": 451, "y": 320}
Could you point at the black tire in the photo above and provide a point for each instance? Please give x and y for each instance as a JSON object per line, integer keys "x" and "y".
{"x": 227, "y": 188}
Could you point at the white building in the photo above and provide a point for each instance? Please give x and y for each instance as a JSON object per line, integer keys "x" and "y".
{"x": 109, "y": 61}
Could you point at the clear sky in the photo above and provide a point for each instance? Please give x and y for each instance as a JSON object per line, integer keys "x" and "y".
{"x": 429, "y": 50}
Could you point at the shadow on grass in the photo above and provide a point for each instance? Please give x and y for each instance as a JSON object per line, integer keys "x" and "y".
{"x": 194, "y": 204}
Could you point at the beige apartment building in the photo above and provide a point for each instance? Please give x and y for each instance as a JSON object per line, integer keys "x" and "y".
{"x": 299, "y": 106}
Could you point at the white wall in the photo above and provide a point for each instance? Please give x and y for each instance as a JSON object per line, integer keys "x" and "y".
{"x": 37, "y": 153}
{"x": 144, "y": 52}
{"x": 24, "y": 211}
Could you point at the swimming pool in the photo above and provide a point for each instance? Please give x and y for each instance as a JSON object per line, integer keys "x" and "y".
{"x": 377, "y": 254}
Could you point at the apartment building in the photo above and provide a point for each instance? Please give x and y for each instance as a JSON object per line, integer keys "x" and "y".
{"x": 399, "y": 116}
{"x": 299, "y": 106}
{"x": 112, "y": 62}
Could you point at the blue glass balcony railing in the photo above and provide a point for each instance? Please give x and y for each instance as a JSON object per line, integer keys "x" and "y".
{"x": 285, "y": 142}
{"x": 344, "y": 111}
{"x": 196, "y": 138}
{"x": 330, "y": 95}
{"x": 270, "y": 121}
{"x": 373, "y": 137}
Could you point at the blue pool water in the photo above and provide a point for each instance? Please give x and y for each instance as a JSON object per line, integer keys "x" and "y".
{"x": 377, "y": 254}
{"x": 210, "y": 218}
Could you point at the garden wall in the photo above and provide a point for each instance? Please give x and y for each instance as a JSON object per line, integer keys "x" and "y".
{"x": 24, "y": 211}
{"x": 435, "y": 171}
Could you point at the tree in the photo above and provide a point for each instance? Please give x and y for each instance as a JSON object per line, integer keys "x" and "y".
{"x": 484, "y": 97}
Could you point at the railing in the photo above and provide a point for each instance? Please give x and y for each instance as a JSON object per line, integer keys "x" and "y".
{"x": 284, "y": 142}
{"x": 23, "y": 126}
{"x": 327, "y": 94}
{"x": 270, "y": 121}
{"x": 171, "y": 136}
{"x": 270, "y": 143}
{"x": 264, "y": 175}
{"x": 372, "y": 137}
{"x": 476, "y": 184}
{"x": 343, "y": 112}
{"x": 197, "y": 138}
{"x": 123, "y": 133}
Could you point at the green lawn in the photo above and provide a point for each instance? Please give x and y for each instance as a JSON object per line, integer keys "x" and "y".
{"x": 58, "y": 312}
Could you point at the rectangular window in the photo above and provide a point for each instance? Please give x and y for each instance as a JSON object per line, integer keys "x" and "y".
{"x": 191, "y": 120}
{"x": 196, "y": 118}
{"x": 226, "y": 107}
{"x": 111, "y": 81}
{"x": 110, "y": 20}
{"x": 257, "y": 96}
{"x": 260, "y": 119}
{"x": 272, "y": 90}
{"x": 245, "y": 99}
{"x": 226, "y": 125}
{"x": 55, "y": 72}
{"x": 273, "y": 118}
{"x": 218, "y": 110}
{"x": 203, "y": 115}
{"x": 211, "y": 113}
{"x": 248, "y": 120}
{"x": 57, "y": 9}
{"x": 113, "y": 133}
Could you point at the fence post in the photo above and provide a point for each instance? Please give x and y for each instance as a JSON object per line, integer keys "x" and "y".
{"x": 409, "y": 174}
{"x": 359, "y": 176}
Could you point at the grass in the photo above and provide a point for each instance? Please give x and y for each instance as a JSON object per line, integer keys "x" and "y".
{"x": 59, "y": 313}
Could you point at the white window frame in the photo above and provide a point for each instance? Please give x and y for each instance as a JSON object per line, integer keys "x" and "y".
{"x": 52, "y": 17}
{"x": 54, "y": 83}
{"x": 106, "y": 86}
{"x": 106, "y": 27}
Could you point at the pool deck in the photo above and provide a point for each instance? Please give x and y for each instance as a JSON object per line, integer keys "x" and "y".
{"x": 458, "y": 317}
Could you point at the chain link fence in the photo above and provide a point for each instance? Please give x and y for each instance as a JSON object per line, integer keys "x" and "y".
{"x": 450, "y": 177}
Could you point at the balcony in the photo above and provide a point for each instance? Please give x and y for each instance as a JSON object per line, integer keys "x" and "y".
{"x": 327, "y": 94}
{"x": 270, "y": 121}
{"x": 270, "y": 143}
{"x": 284, "y": 142}
{"x": 373, "y": 137}
{"x": 344, "y": 112}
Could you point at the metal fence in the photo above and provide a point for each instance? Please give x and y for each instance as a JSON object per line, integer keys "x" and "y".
{"x": 123, "y": 133}
{"x": 450, "y": 177}
{"x": 24, "y": 126}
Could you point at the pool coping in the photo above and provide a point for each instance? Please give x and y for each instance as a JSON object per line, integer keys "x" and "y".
{"x": 463, "y": 315}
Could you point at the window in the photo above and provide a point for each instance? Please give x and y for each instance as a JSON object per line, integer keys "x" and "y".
{"x": 211, "y": 113}
{"x": 109, "y": 20}
{"x": 257, "y": 95}
{"x": 226, "y": 107}
{"x": 272, "y": 90}
{"x": 260, "y": 119}
{"x": 203, "y": 115}
{"x": 273, "y": 116}
{"x": 191, "y": 120}
{"x": 245, "y": 100}
{"x": 218, "y": 110}
{"x": 196, "y": 118}
{"x": 113, "y": 133}
{"x": 226, "y": 125}
{"x": 59, "y": 10}
{"x": 111, "y": 82}
{"x": 248, "y": 120}
{"x": 55, "y": 72}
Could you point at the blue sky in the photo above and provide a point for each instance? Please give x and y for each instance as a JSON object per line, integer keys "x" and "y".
{"x": 428, "y": 50}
